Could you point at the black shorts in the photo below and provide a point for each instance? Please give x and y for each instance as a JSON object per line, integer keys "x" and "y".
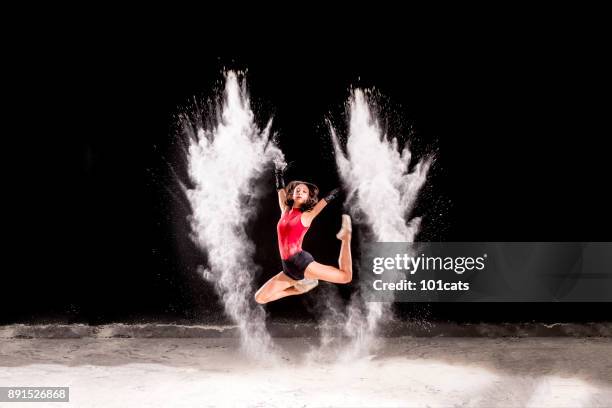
{"x": 295, "y": 265}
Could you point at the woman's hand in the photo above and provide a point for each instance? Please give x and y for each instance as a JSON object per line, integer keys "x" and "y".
{"x": 279, "y": 173}
{"x": 332, "y": 195}
{"x": 279, "y": 176}
{"x": 279, "y": 179}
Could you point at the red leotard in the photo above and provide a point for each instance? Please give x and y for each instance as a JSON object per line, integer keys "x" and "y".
{"x": 291, "y": 233}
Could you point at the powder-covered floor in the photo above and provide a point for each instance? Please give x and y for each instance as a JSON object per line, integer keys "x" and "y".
{"x": 404, "y": 372}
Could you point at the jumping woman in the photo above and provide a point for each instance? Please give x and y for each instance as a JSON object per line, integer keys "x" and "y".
{"x": 299, "y": 206}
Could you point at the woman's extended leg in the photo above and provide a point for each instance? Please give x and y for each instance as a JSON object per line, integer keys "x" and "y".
{"x": 343, "y": 274}
{"x": 278, "y": 286}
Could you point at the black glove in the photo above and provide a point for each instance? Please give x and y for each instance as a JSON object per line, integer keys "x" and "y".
{"x": 279, "y": 174}
{"x": 278, "y": 178}
{"x": 332, "y": 195}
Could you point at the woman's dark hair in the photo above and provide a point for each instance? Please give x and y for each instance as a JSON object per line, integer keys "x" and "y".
{"x": 313, "y": 195}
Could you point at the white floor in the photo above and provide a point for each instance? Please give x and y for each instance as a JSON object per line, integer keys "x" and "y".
{"x": 405, "y": 372}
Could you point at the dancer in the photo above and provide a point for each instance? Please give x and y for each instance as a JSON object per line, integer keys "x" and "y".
{"x": 299, "y": 206}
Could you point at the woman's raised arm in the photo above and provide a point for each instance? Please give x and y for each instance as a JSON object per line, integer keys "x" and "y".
{"x": 282, "y": 200}
{"x": 308, "y": 216}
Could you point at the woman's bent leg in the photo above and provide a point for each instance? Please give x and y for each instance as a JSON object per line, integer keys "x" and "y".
{"x": 290, "y": 291}
{"x": 343, "y": 274}
{"x": 274, "y": 288}
{"x": 327, "y": 273}
{"x": 345, "y": 260}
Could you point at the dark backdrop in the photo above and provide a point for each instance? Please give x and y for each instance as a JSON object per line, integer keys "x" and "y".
{"x": 519, "y": 158}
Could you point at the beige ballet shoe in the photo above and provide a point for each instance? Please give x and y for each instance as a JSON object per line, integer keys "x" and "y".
{"x": 306, "y": 285}
{"x": 347, "y": 229}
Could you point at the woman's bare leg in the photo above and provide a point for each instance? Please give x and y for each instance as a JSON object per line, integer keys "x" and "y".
{"x": 279, "y": 286}
{"x": 290, "y": 291}
{"x": 343, "y": 274}
{"x": 345, "y": 260}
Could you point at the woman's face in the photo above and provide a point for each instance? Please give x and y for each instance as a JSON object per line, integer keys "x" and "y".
{"x": 300, "y": 194}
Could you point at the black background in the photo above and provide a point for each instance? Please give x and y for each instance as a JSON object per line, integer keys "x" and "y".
{"x": 519, "y": 157}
